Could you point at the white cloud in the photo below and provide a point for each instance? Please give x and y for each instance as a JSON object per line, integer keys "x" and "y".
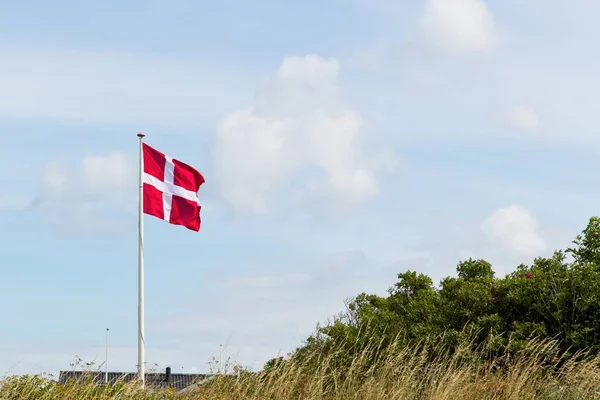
{"x": 297, "y": 128}
{"x": 77, "y": 196}
{"x": 525, "y": 118}
{"x": 515, "y": 230}
{"x": 459, "y": 25}
{"x": 114, "y": 88}
{"x": 506, "y": 238}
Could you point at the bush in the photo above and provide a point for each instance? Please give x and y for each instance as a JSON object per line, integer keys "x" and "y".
{"x": 552, "y": 298}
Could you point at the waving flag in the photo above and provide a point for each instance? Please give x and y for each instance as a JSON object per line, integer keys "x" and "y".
{"x": 171, "y": 189}
{"x": 168, "y": 189}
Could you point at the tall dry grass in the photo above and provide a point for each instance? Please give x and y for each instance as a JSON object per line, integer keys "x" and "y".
{"x": 538, "y": 371}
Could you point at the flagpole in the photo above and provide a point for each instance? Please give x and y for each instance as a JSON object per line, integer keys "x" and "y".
{"x": 106, "y": 360}
{"x": 141, "y": 355}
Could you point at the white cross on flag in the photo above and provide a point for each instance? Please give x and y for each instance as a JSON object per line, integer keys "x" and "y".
{"x": 171, "y": 189}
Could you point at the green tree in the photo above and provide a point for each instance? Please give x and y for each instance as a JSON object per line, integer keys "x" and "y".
{"x": 553, "y": 297}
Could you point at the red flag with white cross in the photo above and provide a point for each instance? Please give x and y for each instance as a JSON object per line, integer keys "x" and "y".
{"x": 171, "y": 189}
{"x": 168, "y": 189}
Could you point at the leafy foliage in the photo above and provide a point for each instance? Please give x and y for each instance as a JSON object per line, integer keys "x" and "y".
{"x": 553, "y": 298}
{"x": 396, "y": 372}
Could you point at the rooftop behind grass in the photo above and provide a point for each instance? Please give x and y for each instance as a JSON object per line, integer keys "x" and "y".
{"x": 536, "y": 372}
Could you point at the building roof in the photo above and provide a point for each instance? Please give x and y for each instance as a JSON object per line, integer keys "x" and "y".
{"x": 177, "y": 381}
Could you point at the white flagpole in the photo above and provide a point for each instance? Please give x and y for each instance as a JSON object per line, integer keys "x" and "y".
{"x": 141, "y": 356}
{"x": 106, "y": 360}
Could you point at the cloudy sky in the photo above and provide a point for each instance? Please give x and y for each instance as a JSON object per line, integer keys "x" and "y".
{"x": 342, "y": 141}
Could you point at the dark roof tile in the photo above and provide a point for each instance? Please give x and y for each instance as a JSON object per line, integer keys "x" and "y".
{"x": 178, "y": 381}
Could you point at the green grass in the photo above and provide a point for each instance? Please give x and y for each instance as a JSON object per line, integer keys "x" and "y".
{"x": 537, "y": 372}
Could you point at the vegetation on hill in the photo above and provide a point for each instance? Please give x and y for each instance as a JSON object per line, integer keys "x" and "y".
{"x": 533, "y": 334}
{"x": 396, "y": 372}
{"x": 556, "y": 297}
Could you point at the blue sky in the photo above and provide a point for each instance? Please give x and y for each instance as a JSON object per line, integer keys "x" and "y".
{"x": 342, "y": 142}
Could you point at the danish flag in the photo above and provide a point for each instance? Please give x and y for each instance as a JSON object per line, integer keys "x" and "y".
{"x": 171, "y": 189}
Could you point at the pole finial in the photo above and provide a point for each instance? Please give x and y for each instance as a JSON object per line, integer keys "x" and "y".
{"x": 140, "y": 135}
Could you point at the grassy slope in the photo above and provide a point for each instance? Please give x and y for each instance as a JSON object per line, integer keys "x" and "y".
{"x": 397, "y": 374}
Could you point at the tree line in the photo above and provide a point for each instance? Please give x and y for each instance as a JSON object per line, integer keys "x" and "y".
{"x": 556, "y": 297}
